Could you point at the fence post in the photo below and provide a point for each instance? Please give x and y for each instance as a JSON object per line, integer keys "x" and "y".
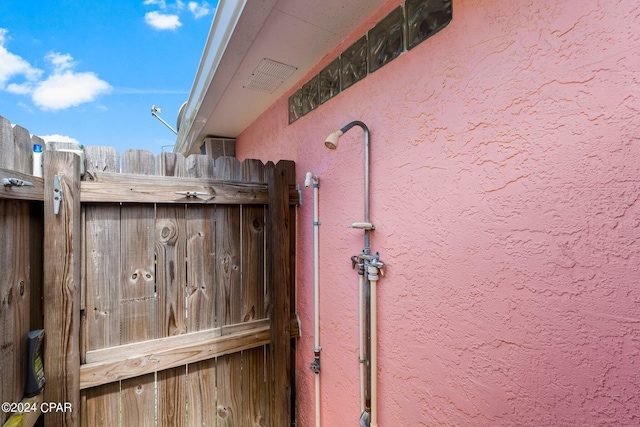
{"x": 278, "y": 287}
{"x": 61, "y": 283}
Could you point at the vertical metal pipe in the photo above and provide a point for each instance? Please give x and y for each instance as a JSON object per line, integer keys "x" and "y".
{"x": 365, "y": 129}
{"x": 316, "y": 292}
{"x": 361, "y": 359}
{"x": 366, "y": 250}
{"x": 315, "y": 365}
{"x": 365, "y": 287}
{"x": 372, "y": 273}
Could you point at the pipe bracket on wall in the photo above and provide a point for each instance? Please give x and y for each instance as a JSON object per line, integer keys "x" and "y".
{"x": 314, "y": 366}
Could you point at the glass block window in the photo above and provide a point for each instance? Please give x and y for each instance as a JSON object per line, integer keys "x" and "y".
{"x": 310, "y": 99}
{"x": 385, "y": 40}
{"x": 425, "y": 18}
{"x": 353, "y": 63}
{"x": 295, "y": 106}
{"x": 329, "y": 81}
{"x": 414, "y": 21}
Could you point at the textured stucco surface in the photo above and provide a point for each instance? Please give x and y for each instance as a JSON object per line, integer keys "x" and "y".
{"x": 505, "y": 177}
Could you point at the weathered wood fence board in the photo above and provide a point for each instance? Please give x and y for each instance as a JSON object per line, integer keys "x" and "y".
{"x": 136, "y": 270}
{"x": 21, "y": 231}
{"x": 62, "y": 286}
{"x": 222, "y": 283}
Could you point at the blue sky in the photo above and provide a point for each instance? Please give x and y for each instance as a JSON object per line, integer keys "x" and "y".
{"x": 90, "y": 70}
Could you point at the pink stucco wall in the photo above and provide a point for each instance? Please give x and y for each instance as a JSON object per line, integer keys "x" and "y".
{"x": 505, "y": 192}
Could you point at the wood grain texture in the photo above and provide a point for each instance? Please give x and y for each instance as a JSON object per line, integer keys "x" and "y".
{"x": 279, "y": 279}
{"x": 101, "y": 322}
{"x": 150, "y": 347}
{"x": 254, "y": 389}
{"x": 140, "y": 162}
{"x": 135, "y": 365}
{"x": 159, "y": 191}
{"x": 8, "y": 309}
{"x": 171, "y": 255}
{"x": 22, "y": 155}
{"x": 6, "y": 143}
{"x": 62, "y": 287}
{"x": 147, "y": 266}
{"x": 21, "y": 290}
{"x": 201, "y": 270}
{"x": 101, "y": 159}
{"x": 138, "y": 401}
{"x": 228, "y": 296}
{"x": 138, "y": 307}
{"x": 21, "y": 193}
{"x": 182, "y": 268}
{"x": 170, "y": 164}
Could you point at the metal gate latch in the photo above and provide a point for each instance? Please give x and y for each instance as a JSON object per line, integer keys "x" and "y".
{"x": 57, "y": 195}
{"x": 193, "y": 194}
{"x": 15, "y": 182}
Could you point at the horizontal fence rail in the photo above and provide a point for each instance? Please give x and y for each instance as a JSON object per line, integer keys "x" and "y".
{"x": 132, "y": 360}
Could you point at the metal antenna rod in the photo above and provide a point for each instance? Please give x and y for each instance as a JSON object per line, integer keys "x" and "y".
{"x": 154, "y": 112}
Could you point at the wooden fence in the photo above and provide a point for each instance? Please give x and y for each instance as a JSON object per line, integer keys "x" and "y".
{"x": 21, "y": 231}
{"x": 168, "y": 289}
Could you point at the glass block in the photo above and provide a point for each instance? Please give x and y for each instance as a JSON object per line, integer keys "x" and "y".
{"x": 310, "y": 98}
{"x": 425, "y": 18}
{"x": 329, "y": 81}
{"x": 295, "y": 106}
{"x": 354, "y": 63}
{"x": 385, "y": 40}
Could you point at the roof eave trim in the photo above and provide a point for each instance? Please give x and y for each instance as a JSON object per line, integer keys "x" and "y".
{"x": 197, "y": 113}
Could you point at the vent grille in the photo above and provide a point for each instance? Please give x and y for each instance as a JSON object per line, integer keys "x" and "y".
{"x": 269, "y": 75}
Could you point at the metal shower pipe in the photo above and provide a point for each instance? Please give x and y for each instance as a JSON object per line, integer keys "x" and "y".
{"x": 369, "y": 266}
{"x": 331, "y": 143}
{"x": 315, "y": 364}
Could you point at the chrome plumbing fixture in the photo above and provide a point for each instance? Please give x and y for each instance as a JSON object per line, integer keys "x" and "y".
{"x": 370, "y": 269}
{"x": 331, "y": 142}
{"x": 313, "y": 180}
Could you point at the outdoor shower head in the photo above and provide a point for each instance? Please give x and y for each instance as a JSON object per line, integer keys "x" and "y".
{"x": 331, "y": 141}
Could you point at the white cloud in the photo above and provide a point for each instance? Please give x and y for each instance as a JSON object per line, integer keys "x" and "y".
{"x": 161, "y": 21}
{"x": 61, "y": 62}
{"x": 58, "y": 138}
{"x": 12, "y": 65}
{"x": 199, "y": 10}
{"x": 20, "y": 88}
{"x": 68, "y": 89}
{"x": 160, "y": 3}
{"x": 61, "y": 89}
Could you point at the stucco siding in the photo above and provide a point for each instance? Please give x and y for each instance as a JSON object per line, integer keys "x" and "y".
{"x": 505, "y": 179}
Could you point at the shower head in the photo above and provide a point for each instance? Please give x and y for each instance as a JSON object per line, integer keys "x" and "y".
{"x": 331, "y": 141}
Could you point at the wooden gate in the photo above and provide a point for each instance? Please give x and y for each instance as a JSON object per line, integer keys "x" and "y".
{"x": 165, "y": 291}
{"x": 186, "y": 280}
